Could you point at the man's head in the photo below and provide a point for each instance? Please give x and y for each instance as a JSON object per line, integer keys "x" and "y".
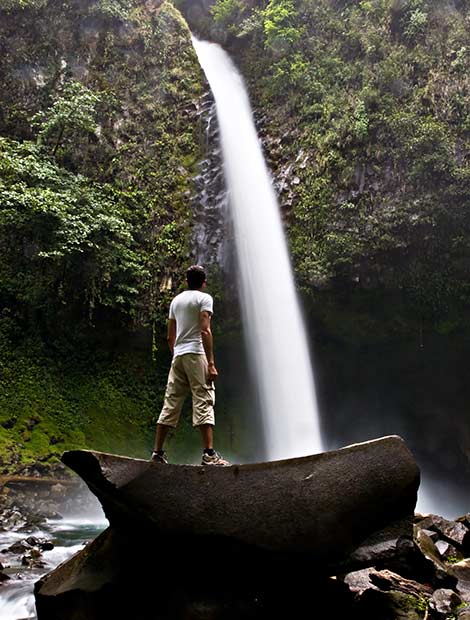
{"x": 196, "y": 277}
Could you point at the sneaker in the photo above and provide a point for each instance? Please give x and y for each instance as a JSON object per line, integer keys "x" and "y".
{"x": 214, "y": 459}
{"x": 159, "y": 457}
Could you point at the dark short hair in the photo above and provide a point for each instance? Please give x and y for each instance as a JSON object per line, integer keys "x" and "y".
{"x": 195, "y": 276}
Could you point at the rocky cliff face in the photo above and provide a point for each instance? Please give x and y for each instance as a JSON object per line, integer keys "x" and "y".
{"x": 363, "y": 112}
{"x": 110, "y": 91}
{"x": 99, "y": 143}
{"x": 361, "y": 107}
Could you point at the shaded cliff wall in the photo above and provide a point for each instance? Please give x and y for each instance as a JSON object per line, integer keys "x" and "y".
{"x": 99, "y": 142}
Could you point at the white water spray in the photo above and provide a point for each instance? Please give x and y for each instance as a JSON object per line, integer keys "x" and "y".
{"x": 273, "y": 322}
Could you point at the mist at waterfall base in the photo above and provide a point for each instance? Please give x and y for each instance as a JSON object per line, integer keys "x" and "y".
{"x": 400, "y": 387}
{"x": 275, "y": 333}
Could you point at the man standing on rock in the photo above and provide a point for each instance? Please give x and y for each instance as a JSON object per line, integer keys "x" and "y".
{"x": 192, "y": 369}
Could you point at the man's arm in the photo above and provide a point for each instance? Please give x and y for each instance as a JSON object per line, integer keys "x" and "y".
{"x": 171, "y": 334}
{"x": 207, "y": 343}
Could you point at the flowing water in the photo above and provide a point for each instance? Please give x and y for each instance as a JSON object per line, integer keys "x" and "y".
{"x": 68, "y": 535}
{"x": 276, "y": 338}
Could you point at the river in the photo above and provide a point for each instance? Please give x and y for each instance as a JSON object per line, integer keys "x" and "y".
{"x": 68, "y": 535}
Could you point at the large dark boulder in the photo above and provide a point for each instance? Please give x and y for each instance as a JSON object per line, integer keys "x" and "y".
{"x": 178, "y": 533}
{"x": 325, "y": 504}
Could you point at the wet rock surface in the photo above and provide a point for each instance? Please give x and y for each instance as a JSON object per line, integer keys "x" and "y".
{"x": 28, "y": 500}
{"x": 440, "y": 588}
{"x": 411, "y": 568}
{"x": 30, "y": 549}
{"x": 33, "y": 543}
{"x": 260, "y": 586}
{"x": 281, "y": 536}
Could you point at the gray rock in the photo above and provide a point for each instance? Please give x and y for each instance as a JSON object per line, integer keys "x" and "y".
{"x": 393, "y": 597}
{"x": 446, "y": 551}
{"x": 58, "y": 490}
{"x": 463, "y": 590}
{"x": 328, "y": 496}
{"x": 444, "y": 601}
{"x": 391, "y": 548}
{"x": 392, "y": 605}
{"x": 442, "y": 575}
{"x": 461, "y": 570}
{"x": 287, "y": 523}
{"x": 104, "y": 576}
{"x": 454, "y": 532}
{"x": 359, "y": 581}
{"x": 388, "y": 580}
{"x": 19, "y": 547}
{"x": 429, "y": 549}
{"x": 430, "y": 533}
{"x": 465, "y": 519}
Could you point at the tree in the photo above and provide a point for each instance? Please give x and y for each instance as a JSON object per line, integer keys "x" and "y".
{"x": 68, "y": 246}
{"x": 73, "y": 112}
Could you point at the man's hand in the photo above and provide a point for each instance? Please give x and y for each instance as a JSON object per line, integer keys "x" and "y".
{"x": 211, "y": 372}
{"x": 206, "y": 335}
{"x": 171, "y": 334}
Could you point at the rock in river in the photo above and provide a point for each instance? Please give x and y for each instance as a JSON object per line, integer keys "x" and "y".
{"x": 243, "y": 541}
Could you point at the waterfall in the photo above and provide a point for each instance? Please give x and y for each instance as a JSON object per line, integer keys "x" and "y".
{"x": 274, "y": 329}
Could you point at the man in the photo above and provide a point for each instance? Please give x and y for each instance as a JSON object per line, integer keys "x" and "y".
{"x": 193, "y": 367}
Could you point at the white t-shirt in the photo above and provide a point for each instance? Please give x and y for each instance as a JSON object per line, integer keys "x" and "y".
{"x": 185, "y": 309}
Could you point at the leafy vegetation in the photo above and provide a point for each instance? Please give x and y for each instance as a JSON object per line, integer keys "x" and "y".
{"x": 96, "y": 171}
{"x": 99, "y": 141}
{"x": 68, "y": 245}
{"x": 366, "y": 103}
{"x": 364, "y": 111}
{"x": 14, "y": 5}
{"x": 51, "y": 406}
{"x": 73, "y": 111}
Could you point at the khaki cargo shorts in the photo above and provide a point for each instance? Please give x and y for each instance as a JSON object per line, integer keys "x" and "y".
{"x": 188, "y": 373}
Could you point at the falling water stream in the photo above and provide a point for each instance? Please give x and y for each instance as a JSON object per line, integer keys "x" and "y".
{"x": 276, "y": 337}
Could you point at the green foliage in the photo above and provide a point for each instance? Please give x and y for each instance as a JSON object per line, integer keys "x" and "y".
{"x": 118, "y": 9}
{"x": 366, "y": 103}
{"x": 99, "y": 231}
{"x": 280, "y": 27}
{"x": 416, "y": 24}
{"x": 100, "y": 142}
{"x": 415, "y": 19}
{"x": 73, "y": 112}
{"x": 361, "y": 120}
{"x": 67, "y": 244}
{"x": 48, "y": 406}
{"x": 420, "y": 603}
{"x": 227, "y": 12}
{"x": 14, "y": 5}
